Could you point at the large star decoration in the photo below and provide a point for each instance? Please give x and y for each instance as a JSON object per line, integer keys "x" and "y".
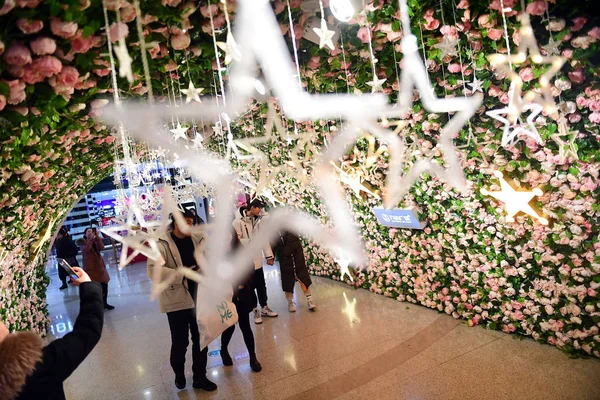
{"x": 503, "y": 63}
{"x": 566, "y": 148}
{"x": 354, "y": 182}
{"x": 179, "y": 132}
{"x": 325, "y": 35}
{"x": 511, "y": 132}
{"x": 515, "y": 201}
{"x": 124, "y": 61}
{"x": 344, "y": 264}
{"x": 447, "y": 46}
{"x": 192, "y": 93}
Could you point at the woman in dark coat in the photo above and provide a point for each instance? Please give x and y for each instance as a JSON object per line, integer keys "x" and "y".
{"x": 30, "y": 371}
{"x": 245, "y": 301}
{"x": 293, "y": 267}
{"x": 93, "y": 262}
{"x": 67, "y": 250}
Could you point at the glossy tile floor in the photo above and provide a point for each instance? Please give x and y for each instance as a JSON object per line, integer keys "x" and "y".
{"x": 357, "y": 345}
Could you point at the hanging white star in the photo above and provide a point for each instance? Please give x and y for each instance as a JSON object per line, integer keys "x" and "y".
{"x": 192, "y": 93}
{"x": 447, "y": 46}
{"x": 376, "y": 84}
{"x": 476, "y": 85}
{"x": 515, "y": 201}
{"x": 350, "y": 309}
{"x": 552, "y": 47}
{"x": 503, "y": 63}
{"x": 231, "y": 49}
{"x": 179, "y": 132}
{"x": 325, "y": 35}
{"x": 124, "y": 61}
{"x": 344, "y": 263}
{"x": 198, "y": 141}
{"x": 511, "y": 132}
{"x": 566, "y": 148}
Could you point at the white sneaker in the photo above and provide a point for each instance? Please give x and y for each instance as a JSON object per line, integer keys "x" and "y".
{"x": 257, "y": 316}
{"x": 311, "y": 305}
{"x": 267, "y": 312}
{"x": 291, "y": 306}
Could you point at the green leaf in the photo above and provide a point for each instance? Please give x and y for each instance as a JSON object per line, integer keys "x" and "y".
{"x": 4, "y": 89}
{"x": 396, "y": 26}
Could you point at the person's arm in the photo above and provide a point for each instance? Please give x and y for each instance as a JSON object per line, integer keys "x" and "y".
{"x": 237, "y": 225}
{"x": 88, "y": 245}
{"x": 63, "y": 356}
{"x": 99, "y": 243}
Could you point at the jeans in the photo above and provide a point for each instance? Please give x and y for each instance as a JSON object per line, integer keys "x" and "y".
{"x": 182, "y": 323}
{"x": 261, "y": 286}
{"x": 244, "y": 323}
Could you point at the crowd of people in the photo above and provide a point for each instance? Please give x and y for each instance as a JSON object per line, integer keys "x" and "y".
{"x": 30, "y": 371}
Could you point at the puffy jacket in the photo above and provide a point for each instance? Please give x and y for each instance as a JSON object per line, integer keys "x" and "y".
{"x": 246, "y": 227}
{"x": 177, "y": 296}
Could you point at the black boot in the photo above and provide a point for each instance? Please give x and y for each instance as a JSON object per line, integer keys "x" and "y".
{"x": 63, "y": 286}
{"x": 227, "y": 361}
{"x": 204, "y": 384}
{"x": 255, "y": 365}
{"x": 180, "y": 381}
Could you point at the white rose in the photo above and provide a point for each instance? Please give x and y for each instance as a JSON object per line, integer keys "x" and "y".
{"x": 556, "y": 25}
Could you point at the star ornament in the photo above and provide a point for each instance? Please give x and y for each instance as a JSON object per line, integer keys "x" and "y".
{"x": 124, "y": 61}
{"x": 192, "y": 93}
{"x": 325, "y": 35}
{"x": 447, "y": 46}
{"x": 511, "y": 132}
{"x": 552, "y": 47}
{"x": 231, "y": 49}
{"x": 476, "y": 85}
{"x": 376, "y": 84}
{"x": 503, "y": 61}
{"x": 515, "y": 201}
{"x": 566, "y": 148}
{"x": 179, "y": 132}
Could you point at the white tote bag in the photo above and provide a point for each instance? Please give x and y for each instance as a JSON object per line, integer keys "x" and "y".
{"x": 214, "y": 319}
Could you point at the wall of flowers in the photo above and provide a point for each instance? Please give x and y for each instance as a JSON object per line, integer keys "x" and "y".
{"x": 469, "y": 261}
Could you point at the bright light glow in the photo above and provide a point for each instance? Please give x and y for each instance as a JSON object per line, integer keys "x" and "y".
{"x": 350, "y": 310}
{"x": 515, "y": 201}
{"x": 260, "y": 88}
{"x": 342, "y": 9}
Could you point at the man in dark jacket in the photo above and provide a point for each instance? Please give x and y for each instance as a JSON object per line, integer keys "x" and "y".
{"x": 67, "y": 250}
{"x": 28, "y": 371}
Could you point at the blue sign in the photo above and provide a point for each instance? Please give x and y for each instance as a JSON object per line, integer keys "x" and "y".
{"x": 398, "y": 218}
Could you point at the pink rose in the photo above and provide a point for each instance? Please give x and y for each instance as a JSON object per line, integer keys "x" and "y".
{"x": 495, "y": 34}
{"x": 576, "y": 76}
{"x": 595, "y": 33}
{"x": 42, "y": 67}
{"x": 581, "y": 101}
{"x": 188, "y": 9}
{"x": 101, "y": 71}
{"x": 574, "y": 118}
{"x": 484, "y": 21}
{"x": 118, "y": 31}
{"x": 127, "y": 12}
{"x": 170, "y": 3}
{"x": 449, "y": 31}
{"x": 463, "y": 5}
{"x": 29, "y": 26}
{"x": 278, "y": 7}
{"x": 430, "y": 22}
{"x": 526, "y": 74}
{"x": 170, "y": 66}
{"x": 314, "y": 62}
{"x": 43, "y": 46}
{"x": 113, "y": 5}
{"x": 181, "y": 41}
{"x": 65, "y": 30}
{"x": 17, "y": 91}
{"x": 79, "y": 44}
{"x": 538, "y": 7}
{"x": 578, "y": 23}
{"x": 2, "y": 102}
{"x": 567, "y": 53}
{"x": 28, "y": 3}
{"x": 476, "y": 45}
{"x": 363, "y": 34}
{"x": 8, "y": 5}
{"x": 595, "y": 118}
{"x": 206, "y": 11}
{"x": 17, "y": 54}
{"x": 454, "y": 68}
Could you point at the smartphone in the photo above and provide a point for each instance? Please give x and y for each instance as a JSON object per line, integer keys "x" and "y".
{"x": 65, "y": 265}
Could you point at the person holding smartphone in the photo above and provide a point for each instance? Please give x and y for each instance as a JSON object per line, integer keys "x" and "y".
{"x": 93, "y": 262}
{"x": 30, "y": 371}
